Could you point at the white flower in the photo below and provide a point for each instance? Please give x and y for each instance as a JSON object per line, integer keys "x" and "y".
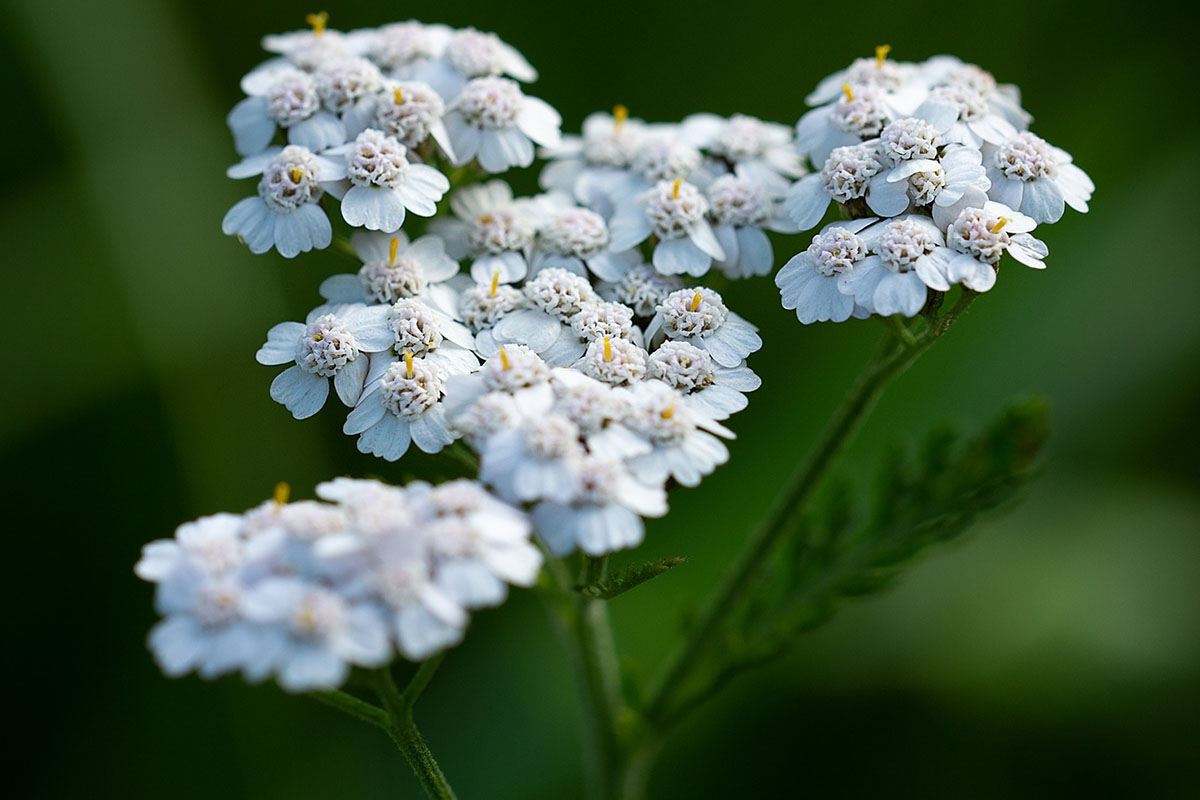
{"x": 599, "y": 411}
{"x": 583, "y": 166}
{"x": 674, "y": 212}
{"x": 577, "y": 239}
{"x": 291, "y": 102}
{"x": 614, "y": 361}
{"x": 394, "y": 269}
{"x": 345, "y": 83}
{"x": 491, "y": 228}
{"x": 808, "y": 282}
{"x": 682, "y": 443}
{"x": 980, "y": 236}
{"x": 908, "y": 256}
{"x": 716, "y": 391}
{"x": 400, "y": 45}
{"x": 643, "y": 288}
{"x": 285, "y": 214}
{"x": 604, "y": 513}
{"x": 988, "y": 111}
{"x": 1032, "y": 176}
{"x": 322, "y": 631}
{"x": 553, "y": 297}
{"x": 699, "y": 316}
{"x": 741, "y": 210}
{"x": 901, "y": 83}
{"x": 384, "y": 184}
{"x": 479, "y": 544}
{"x": 858, "y": 115}
{"x": 514, "y": 370}
{"x": 468, "y": 54}
{"x": 845, "y": 176}
{"x": 534, "y": 461}
{"x": 493, "y": 121}
{"x": 411, "y": 111}
{"x": 953, "y": 181}
{"x": 759, "y": 151}
{"x": 327, "y": 345}
{"x": 401, "y": 406}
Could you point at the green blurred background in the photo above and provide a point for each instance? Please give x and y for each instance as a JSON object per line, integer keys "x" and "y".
{"x": 1055, "y": 652}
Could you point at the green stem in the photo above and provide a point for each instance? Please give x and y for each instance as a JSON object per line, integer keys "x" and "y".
{"x": 596, "y": 658}
{"x": 404, "y": 731}
{"x": 895, "y": 355}
{"x": 359, "y": 709}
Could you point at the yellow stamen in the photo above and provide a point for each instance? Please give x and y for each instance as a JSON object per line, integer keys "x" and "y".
{"x": 296, "y": 174}
{"x": 1000, "y": 223}
{"x": 881, "y": 54}
{"x": 283, "y": 491}
{"x": 696, "y": 298}
{"x": 607, "y": 349}
{"x": 393, "y": 246}
{"x": 667, "y": 412}
{"x": 318, "y": 22}
{"x": 318, "y": 337}
{"x": 848, "y": 92}
{"x": 495, "y": 282}
{"x": 620, "y": 114}
{"x": 504, "y": 358}
{"x": 675, "y": 189}
{"x": 408, "y": 363}
{"x": 398, "y": 96}
{"x": 486, "y": 219}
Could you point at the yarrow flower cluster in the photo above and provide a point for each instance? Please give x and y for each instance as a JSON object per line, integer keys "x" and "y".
{"x": 561, "y": 336}
{"x": 373, "y": 118}
{"x": 304, "y": 591}
{"x": 936, "y": 169}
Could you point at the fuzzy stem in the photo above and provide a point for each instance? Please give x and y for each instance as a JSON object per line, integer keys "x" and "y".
{"x": 349, "y": 704}
{"x": 404, "y": 731}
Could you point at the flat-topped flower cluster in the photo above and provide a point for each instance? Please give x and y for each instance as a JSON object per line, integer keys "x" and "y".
{"x": 306, "y": 590}
{"x": 561, "y": 336}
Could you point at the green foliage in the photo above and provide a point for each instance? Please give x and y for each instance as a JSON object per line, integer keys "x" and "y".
{"x": 629, "y": 576}
{"x": 924, "y": 496}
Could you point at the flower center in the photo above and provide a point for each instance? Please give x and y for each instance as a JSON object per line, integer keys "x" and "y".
{"x": 903, "y": 242}
{"x": 407, "y": 111}
{"x": 681, "y": 365}
{"x": 515, "y": 367}
{"x": 411, "y": 386}
{"x": 674, "y": 208}
{"x": 743, "y": 137}
{"x": 389, "y": 281}
{"x": 848, "y": 171}
{"x": 598, "y": 320}
{"x": 926, "y": 186}
{"x": 979, "y": 235}
{"x": 665, "y": 159}
{"x": 692, "y": 312}
{"x": 483, "y": 306}
{"x": 1025, "y": 157}
{"x": 559, "y": 293}
{"x": 343, "y": 83}
{"x": 289, "y": 181}
{"x": 836, "y": 251}
{"x": 475, "y": 53}
{"x": 401, "y": 43}
{"x": 292, "y": 98}
{"x": 500, "y": 231}
{"x": 643, "y": 289}
{"x": 326, "y": 346}
{"x": 414, "y": 328}
{"x": 908, "y": 138}
{"x": 491, "y": 103}
{"x": 737, "y": 202}
{"x": 576, "y": 232}
{"x": 860, "y": 111}
{"x": 614, "y": 361}
{"x": 377, "y": 160}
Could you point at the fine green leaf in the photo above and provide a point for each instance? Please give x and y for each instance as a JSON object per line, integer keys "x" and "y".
{"x": 628, "y": 577}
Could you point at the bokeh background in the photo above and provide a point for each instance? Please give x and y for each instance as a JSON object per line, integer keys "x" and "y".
{"x": 1055, "y": 652}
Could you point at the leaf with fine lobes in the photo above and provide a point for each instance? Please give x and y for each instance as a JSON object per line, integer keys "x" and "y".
{"x": 628, "y": 577}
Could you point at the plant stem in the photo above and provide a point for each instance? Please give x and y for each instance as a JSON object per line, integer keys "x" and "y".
{"x": 896, "y": 354}
{"x": 359, "y": 709}
{"x": 596, "y": 659}
{"x": 404, "y": 731}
